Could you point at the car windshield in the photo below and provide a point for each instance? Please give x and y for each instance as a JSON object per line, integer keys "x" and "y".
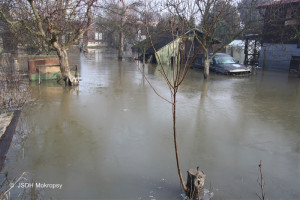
{"x": 224, "y": 60}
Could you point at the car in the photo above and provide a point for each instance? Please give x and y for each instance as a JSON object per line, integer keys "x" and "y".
{"x": 223, "y": 63}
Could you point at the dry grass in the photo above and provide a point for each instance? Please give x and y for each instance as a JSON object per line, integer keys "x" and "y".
{"x": 9, "y": 185}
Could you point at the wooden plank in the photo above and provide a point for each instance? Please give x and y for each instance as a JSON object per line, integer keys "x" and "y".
{"x": 48, "y": 68}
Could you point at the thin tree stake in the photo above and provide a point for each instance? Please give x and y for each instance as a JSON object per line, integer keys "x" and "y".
{"x": 261, "y": 183}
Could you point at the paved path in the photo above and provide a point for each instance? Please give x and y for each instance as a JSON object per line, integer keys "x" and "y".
{"x": 8, "y": 124}
{"x": 5, "y": 119}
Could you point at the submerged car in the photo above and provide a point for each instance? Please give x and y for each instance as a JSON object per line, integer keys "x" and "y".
{"x": 224, "y": 64}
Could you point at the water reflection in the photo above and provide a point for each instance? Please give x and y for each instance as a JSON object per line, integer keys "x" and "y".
{"x": 111, "y": 138}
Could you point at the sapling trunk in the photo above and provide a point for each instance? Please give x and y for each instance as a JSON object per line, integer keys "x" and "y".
{"x": 175, "y": 141}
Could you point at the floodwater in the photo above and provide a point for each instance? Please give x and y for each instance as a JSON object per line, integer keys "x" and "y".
{"x": 111, "y": 138}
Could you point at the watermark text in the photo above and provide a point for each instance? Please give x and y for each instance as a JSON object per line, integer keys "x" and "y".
{"x": 40, "y": 185}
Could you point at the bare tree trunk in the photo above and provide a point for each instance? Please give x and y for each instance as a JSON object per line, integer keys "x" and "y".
{"x": 206, "y": 68}
{"x": 175, "y": 142}
{"x": 144, "y": 55}
{"x": 69, "y": 79}
{"x": 195, "y": 184}
{"x": 206, "y": 61}
{"x": 121, "y": 49}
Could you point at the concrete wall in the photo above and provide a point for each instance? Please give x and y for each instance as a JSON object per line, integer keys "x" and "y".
{"x": 277, "y": 56}
{"x": 237, "y": 52}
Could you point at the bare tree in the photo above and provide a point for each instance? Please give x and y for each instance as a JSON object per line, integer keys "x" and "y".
{"x": 256, "y": 20}
{"x": 174, "y": 75}
{"x": 183, "y": 15}
{"x": 218, "y": 18}
{"x": 59, "y": 24}
{"x": 9, "y": 39}
{"x": 119, "y": 16}
{"x": 173, "y": 80}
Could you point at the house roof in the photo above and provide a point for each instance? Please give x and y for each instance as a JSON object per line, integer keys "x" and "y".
{"x": 274, "y": 3}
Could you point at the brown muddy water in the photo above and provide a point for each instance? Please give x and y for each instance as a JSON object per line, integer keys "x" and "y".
{"x": 111, "y": 138}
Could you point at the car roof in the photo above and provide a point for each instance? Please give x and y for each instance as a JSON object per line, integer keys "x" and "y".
{"x": 220, "y": 54}
{"x": 217, "y": 54}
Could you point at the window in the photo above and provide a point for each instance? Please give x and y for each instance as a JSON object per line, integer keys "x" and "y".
{"x": 98, "y": 36}
{"x": 292, "y": 16}
{"x": 224, "y": 60}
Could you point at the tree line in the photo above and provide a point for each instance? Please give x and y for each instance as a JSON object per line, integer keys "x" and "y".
{"x": 44, "y": 26}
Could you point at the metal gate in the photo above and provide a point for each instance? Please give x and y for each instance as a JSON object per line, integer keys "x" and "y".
{"x": 252, "y": 48}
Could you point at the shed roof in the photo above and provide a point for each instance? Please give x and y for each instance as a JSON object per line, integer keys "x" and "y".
{"x": 239, "y": 43}
{"x": 162, "y": 39}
